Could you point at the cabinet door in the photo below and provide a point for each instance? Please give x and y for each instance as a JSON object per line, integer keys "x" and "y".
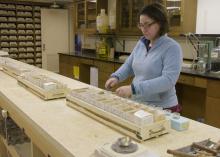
{"x": 128, "y": 11}
{"x": 181, "y": 15}
{"x": 91, "y": 14}
{"x": 80, "y": 15}
{"x": 174, "y": 11}
{"x": 86, "y": 13}
{"x": 54, "y": 37}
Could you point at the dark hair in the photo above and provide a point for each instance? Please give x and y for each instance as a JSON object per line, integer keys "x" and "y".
{"x": 157, "y": 12}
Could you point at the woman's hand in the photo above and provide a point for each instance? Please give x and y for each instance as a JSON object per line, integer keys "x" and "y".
{"x": 111, "y": 82}
{"x": 124, "y": 91}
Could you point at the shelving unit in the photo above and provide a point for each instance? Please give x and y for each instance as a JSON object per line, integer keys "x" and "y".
{"x": 15, "y": 141}
{"x": 18, "y": 150}
{"x": 20, "y": 32}
{"x": 181, "y": 15}
{"x": 86, "y": 12}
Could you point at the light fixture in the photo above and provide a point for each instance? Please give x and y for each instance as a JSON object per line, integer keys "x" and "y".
{"x": 93, "y": 1}
{"x": 55, "y": 5}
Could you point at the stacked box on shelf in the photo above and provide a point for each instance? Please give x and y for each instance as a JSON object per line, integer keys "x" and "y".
{"x": 20, "y": 31}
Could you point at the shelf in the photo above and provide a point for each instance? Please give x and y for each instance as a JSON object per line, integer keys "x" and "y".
{"x": 24, "y": 22}
{"x": 8, "y": 22}
{"x": 4, "y": 34}
{"x": 19, "y": 150}
{"x": 28, "y": 10}
{"x": 7, "y": 15}
{"x": 7, "y": 28}
{"x": 19, "y": 17}
{"x": 26, "y": 57}
{"x": 28, "y": 16}
{"x": 26, "y": 28}
{"x": 8, "y": 9}
{"x": 18, "y": 40}
{"x": 18, "y": 46}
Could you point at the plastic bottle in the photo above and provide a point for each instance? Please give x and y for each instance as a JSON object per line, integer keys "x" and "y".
{"x": 103, "y": 50}
{"x": 102, "y": 22}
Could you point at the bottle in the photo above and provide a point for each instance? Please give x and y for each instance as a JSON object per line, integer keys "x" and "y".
{"x": 102, "y": 22}
{"x": 201, "y": 65}
{"x": 78, "y": 44}
{"x": 102, "y": 50}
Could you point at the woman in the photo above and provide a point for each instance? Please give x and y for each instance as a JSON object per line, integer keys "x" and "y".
{"x": 155, "y": 63}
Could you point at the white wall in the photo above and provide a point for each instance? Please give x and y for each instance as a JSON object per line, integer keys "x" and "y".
{"x": 208, "y": 20}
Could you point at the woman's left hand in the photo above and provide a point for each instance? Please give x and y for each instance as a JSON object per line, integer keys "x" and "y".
{"x": 124, "y": 91}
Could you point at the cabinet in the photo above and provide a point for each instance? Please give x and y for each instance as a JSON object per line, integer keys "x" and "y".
{"x": 181, "y": 15}
{"x": 213, "y": 103}
{"x": 128, "y": 16}
{"x": 86, "y": 12}
{"x": 13, "y": 140}
{"x": 20, "y": 31}
{"x": 105, "y": 69}
{"x": 198, "y": 96}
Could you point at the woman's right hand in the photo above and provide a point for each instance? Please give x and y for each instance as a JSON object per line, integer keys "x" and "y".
{"x": 111, "y": 82}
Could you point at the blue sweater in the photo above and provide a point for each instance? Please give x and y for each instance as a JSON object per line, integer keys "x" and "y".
{"x": 155, "y": 71}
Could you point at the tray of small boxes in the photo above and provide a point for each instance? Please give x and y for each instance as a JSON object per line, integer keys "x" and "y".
{"x": 134, "y": 119}
{"x": 13, "y": 68}
{"x": 43, "y": 86}
{"x": 206, "y": 148}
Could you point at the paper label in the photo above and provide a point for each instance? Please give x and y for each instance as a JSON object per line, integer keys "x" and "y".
{"x": 76, "y": 72}
{"x": 141, "y": 114}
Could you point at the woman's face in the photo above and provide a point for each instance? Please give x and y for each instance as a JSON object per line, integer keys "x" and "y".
{"x": 149, "y": 27}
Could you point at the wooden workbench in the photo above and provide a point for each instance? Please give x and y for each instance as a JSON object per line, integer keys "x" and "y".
{"x": 60, "y": 131}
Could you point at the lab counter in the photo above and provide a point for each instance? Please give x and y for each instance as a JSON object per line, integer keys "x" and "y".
{"x": 60, "y": 131}
{"x": 197, "y": 92}
{"x": 188, "y": 71}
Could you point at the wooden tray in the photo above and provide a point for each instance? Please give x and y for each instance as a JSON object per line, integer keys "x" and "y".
{"x": 206, "y": 148}
{"x": 44, "y": 94}
{"x": 114, "y": 119}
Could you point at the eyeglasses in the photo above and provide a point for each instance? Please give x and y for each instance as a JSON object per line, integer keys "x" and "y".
{"x": 145, "y": 25}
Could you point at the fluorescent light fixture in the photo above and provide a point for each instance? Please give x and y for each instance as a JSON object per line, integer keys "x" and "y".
{"x": 54, "y": 5}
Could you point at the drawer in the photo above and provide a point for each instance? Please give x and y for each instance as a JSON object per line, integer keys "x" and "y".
{"x": 186, "y": 79}
{"x": 212, "y": 116}
{"x": 64, "y": 59}
{"x": 200, "y": 82}
{"x": 86, "y": 61}
{"x": 104, "y": 76}
{"x": 117, "y": 66}
{"x": 213, "y": 87}
{"x": 104, "y": 66}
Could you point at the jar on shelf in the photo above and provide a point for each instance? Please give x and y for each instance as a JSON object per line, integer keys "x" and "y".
{"x": 201, "y": 65}
{"x": 102, "y": 49}
{"x": 102, "y": 22}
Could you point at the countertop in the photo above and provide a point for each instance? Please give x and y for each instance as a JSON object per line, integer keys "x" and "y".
{"x": 187, "y": 71}
{"x": 59, "y": 130}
